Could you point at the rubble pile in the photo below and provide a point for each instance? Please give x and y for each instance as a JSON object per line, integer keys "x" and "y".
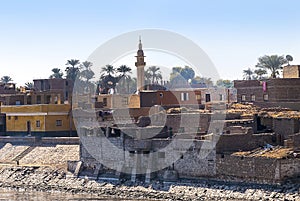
{"x": 278, "y": 112}
{"x": 269, "y": 151}
{"x": 246, "y": 111}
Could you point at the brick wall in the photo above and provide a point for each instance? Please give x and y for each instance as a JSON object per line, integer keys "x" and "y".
{"x": 281, "y": 92}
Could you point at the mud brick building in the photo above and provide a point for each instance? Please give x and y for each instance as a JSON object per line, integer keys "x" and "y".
{"x": 283, "y": 92}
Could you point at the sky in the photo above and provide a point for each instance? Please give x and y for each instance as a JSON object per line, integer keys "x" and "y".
{"x": 37, "y": 36}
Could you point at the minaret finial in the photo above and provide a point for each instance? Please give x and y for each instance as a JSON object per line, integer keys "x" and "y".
{"x": 140, "y": 43}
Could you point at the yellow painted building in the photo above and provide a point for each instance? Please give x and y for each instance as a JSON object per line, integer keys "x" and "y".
{"x": 41, "y": 119}
{"x": 119, "y": 101}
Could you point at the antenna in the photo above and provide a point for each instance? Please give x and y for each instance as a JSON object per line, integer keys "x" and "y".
{"x": 289, "y": 58}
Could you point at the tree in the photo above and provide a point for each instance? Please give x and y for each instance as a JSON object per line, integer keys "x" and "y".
{"x": 72, "y": 70}
{"x": 259, "y": 73}
{"x": 247, "y": 74}
{"x": 147, "y": 77}
{"x": 56, "y": 73}
{"x": 87, "y": 72}
{"x": 125, "y": 78}
{"x": 28, "y": 85}
{"x": 155, "y": 73}
{"x": 204, "y": 81}
{"x": 224, "y": 83}
{"x": 123, "y": 69}
{"x": 271, "y": 63}
{"x": 107, "y": 80}
{"x": 108, "y": 69}
{"x": 6, "y": 79}
{"x": 181, "y": 76}
{"x": 187, "y": 73}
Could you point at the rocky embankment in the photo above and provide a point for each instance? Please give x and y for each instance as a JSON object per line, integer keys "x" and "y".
{"x": 49, "y": 179}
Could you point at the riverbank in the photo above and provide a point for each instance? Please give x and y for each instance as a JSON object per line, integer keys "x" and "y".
{"x": 49, "y": 179}
{"x": 43, "y": 167}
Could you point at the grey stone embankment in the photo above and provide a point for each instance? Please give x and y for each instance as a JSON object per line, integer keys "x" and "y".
{"x": 42, "y": 167}
{"x": 49, "y": 179}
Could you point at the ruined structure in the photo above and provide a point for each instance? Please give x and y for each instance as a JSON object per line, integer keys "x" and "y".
{"x": 246, "y": 149}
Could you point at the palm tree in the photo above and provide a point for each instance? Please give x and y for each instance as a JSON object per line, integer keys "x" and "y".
{"x": 272, "y": 63}
{"x": 147, "y": 77}
{"x": 87, "y": 73}
{"x": 260, "y": 72}
{"x": 108, "y": 69}
{"x": 6, "y": 79}
{"x": 72, "y": 70}
{"x": 123, "y": 69}
{"x": 155, "y": 73}
{"x": 56, "y": 73}
{"x": 29, "y": 85}
{"x": 247, "y": 74}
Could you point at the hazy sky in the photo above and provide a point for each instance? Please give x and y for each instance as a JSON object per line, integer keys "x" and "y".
{"x": 37, "y": 36}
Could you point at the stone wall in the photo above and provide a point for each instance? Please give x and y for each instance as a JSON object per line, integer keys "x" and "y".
{"x": 189, "y": 159}
{"x": 257, "y": 169}
{"x": 285, "y": 127}
{"x": 244, "y": 142}
{"x": 45, "y": 140}
{"x": 198, "y": 122}
{"x": 197, "y": 162}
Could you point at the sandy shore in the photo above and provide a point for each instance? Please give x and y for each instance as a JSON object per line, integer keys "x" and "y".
{"x": 49, "y": 179}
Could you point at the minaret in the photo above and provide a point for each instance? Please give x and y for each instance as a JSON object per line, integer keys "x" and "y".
{"x": 140, "y": 64}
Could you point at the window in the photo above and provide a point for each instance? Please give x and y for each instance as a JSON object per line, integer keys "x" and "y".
{"x": 266, "y": 97}
{"x": 198, "y": 96}
{"x": 9, "y": 117}
{"x": 104, "y": 101}
{"x": 184, "y": 96}
{"x": 125, "y": 100}
{"x": 48, "y": 99}
{"x": 243, "y": 97}
{"x": 207, "y": 98}
{"x": 131, "y": 153}
{"x": 252, "y": 97}
{"x": 58, "y": 122}
{"x": 38, "y": 123}
{"x": 38, "y": 99}
{"x": 18, "y": 102}
{"x": 29, "y": 100}
{"x": 221, "y": 97}
{"x": 16, "y": 117}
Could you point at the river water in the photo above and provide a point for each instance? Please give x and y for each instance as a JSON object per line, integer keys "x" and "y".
{"x": 21, "y": 195}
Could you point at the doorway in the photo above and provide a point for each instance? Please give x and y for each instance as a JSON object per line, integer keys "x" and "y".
{"x": 28, "y": 128}
{"x": 207, "y": 97}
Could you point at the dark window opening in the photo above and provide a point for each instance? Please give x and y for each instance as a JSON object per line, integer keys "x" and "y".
{"x": 104, "y": 101}
{"x": 38, "y": 99}
{"x": 207, "y": 97}
{"x": 38, "y": 123}
{"x": 58, "y": 122}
